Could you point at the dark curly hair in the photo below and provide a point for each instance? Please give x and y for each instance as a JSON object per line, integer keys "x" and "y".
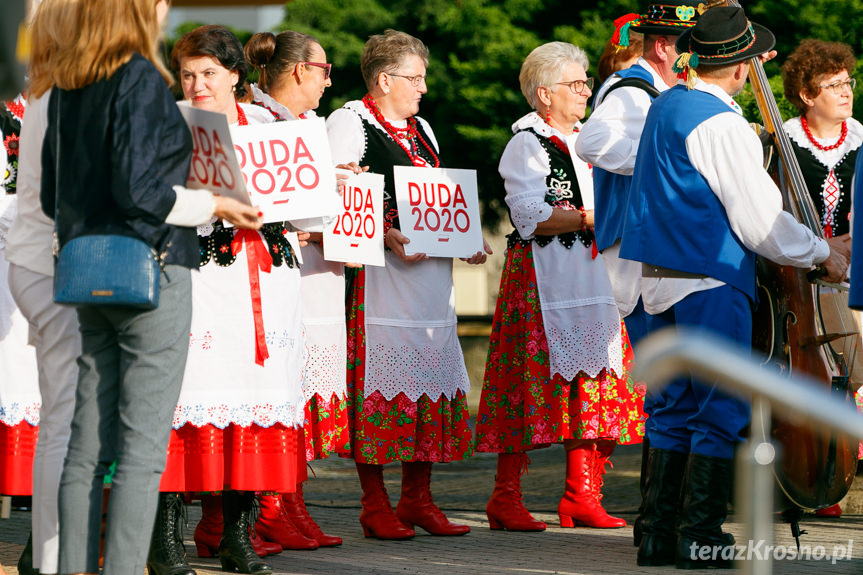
{"x": 806, "y": 67}
{"x": 218, "y": 42}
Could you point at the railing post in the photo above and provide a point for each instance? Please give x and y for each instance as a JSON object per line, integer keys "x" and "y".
{"x": 755, "y": 493}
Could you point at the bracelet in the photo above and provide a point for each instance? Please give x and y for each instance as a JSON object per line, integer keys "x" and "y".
{"x": 583, "y": 213}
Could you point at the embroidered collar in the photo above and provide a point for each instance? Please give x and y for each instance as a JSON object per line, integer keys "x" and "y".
{"x": 537, "y": 124}
{"x": 278, "y": 110}
{"x": 829, "y": 158}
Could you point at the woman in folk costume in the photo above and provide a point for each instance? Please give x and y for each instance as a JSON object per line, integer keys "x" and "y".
{"x": 826, "y": 139}
{"x": 293, "y": 76}
{"x": 406, "y": 375}
{"x": 557, "y": 369}
{"x": 234, "y": 426}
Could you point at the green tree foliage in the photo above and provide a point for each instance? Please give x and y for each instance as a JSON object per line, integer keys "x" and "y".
{"x": 477, "y": 47}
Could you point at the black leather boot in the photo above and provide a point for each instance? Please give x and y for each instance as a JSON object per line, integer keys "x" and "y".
{"x": 701, "y": 542}
{"x": 167, "y": 552}
{"x": 660, "y": 507}
{"x": 642, "y": 485}
{"x": 235, "y": 550}
{"x": 25, "y": 562}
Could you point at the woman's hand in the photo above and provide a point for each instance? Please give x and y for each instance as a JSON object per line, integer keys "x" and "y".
{"x": 303, "y": 238}
{"x": 588, "y": 221}
{"x": 237, "y": 213}
{"x": 479, "y": 257}
{"x": 396, "y": 240}
{"x": 352, "y": 167}
{"x": 312, "y": 237}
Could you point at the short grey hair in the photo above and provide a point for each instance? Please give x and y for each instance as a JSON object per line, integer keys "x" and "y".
{"x": 385, "y": 52}
{"x": 544, "y": 66}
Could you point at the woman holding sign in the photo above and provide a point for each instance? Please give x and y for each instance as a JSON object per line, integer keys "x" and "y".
{"x": 406, "y": 375}
{"x": 557, "y": 369}
{"x": 293, "y": 76}
{"x": 234, "y": 426}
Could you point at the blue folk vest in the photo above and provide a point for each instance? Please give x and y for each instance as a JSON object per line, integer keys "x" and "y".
{"x": 612, "y": 190}
{"x": 676, "y": 221}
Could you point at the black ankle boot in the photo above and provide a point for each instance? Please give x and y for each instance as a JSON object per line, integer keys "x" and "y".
{"x": 701, "y": 542}
{"x": 642, "y": 485}
{"x": 660, "y": 506}
{"x": 167, "y": 552}
{"x": 25, "y": 562}
{"x": 235, "y": 549}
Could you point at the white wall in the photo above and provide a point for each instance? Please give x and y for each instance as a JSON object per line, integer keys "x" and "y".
{"x": 254, "y": 18}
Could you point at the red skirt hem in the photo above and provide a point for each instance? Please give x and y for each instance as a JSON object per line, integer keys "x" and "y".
{"x": 17, "y": 449}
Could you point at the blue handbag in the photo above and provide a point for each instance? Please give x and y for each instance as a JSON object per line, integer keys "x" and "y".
{"x": 107, "y": 270}
{"x": 103, "y": 270}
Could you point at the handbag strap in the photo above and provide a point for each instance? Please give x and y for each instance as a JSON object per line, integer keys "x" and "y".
{"x": 56, "y": 246}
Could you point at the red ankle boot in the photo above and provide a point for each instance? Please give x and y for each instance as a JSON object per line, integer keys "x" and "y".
{"x": 416, "y": 506}
{"x": 274, "y": 525}
{"x": 377, "y": 517}
{"x": 295, "y": 507}
{"x": 505, "y": 508}
{"x": 580, "y": 504}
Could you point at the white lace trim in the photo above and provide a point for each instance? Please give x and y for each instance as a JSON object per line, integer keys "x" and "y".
{"x": 829, "y": 158}
{"x": 415, "y": 372}
{"x": 534, "y": 121}
{"x": 585, "y": 347}
{"x": 259, "y": 95}
{"x": 326, "y": 370}
{"x": 527, "y": 211}
{"x": 223, "y": 414}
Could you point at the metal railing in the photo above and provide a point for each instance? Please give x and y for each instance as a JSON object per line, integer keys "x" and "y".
{"x": 672, "y": 352}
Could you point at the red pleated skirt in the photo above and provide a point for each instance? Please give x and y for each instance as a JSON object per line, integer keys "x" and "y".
{"x": 251, "y": 458}
{"x": 17, "y": 448}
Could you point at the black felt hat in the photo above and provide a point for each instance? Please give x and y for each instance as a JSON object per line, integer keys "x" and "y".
{"x": 724, "y": 36}
{"x": 668, "y": 18}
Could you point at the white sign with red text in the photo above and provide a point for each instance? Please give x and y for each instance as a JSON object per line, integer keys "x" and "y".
{"x": 287, "y": 168}
{"x": 356, "y": 234}
{"x": 214, "y": 165}
{"x": 438, "y": 211}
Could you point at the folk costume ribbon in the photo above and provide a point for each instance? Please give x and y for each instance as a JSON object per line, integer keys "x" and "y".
{"x": 258, "y": 259}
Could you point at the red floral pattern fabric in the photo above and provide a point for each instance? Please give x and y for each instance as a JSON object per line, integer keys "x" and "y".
{"x": 399, "y": 430}
{"x": 521, "y": 407}
{"x": 326, "y": 427}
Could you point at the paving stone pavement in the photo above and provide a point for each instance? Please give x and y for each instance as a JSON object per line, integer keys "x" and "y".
{"x": 462, "y": 489}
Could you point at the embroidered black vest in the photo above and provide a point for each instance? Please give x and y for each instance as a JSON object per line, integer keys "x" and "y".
{"x": 10, "y": 129}
{"x": 561, "y": 189}
{"x": 382, "y": 153}
{"x": 814, "y": 172}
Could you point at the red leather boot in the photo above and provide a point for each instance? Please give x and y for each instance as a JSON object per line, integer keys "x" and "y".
{"x": 208, "y": 532}
{"x": 416, "y": 506}
{"x": 274, "y": 525}
{"x": 295, "y": 507}
{"x": 580, "y": 504}
{"x": 505, "y": 508}
{"x": 377, "y": 517}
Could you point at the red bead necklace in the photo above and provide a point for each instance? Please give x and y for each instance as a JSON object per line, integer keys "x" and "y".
{"x": 409, "y": 132}
{"x": 815, "y": 143}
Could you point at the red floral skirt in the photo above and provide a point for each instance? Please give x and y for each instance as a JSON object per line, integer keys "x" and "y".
{"x": 522, "y": 407}
{"x": 17, "y": 448}
{"x": 326, "y": 427}
{"x": 251, "y": 458}
{"x": 398, "y": 430}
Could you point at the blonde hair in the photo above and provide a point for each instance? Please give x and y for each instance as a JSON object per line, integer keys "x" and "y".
{"x": 46, "y": 27}
{"x": 97, "y": 38}
{"x": 545, "y": 65}
{"x": 385, "y": 52}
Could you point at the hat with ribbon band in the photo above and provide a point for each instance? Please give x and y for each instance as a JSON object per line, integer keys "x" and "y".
{"x": 722, "y": 36}
{"x": 669, "y": 18}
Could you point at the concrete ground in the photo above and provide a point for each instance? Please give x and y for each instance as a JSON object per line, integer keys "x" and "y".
{"x": 461, "y": 489}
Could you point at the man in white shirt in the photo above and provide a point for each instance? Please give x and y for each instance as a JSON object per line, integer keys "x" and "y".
{"x": 706, "y": 208}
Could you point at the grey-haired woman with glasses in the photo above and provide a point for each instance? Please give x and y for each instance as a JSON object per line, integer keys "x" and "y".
{"x": 557, "y": 369}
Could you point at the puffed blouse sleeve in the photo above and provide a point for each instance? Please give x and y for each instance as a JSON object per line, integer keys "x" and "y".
{"x": 346, "y": 136}
{"x": 524, "y": 167}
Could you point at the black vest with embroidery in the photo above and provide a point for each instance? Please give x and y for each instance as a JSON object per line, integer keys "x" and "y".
{"x": 815, "y": 173}
{"x": 561, "y": 188}
{"x": 10, "y": 130}
{"x": 382, "y": 153}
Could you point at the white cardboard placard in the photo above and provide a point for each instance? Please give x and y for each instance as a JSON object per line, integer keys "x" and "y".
{"x": 287, "y": 168}
{"x": 356, "y": 234}
{"x": 214, "y": 165}
{"x": 438, "y": 211}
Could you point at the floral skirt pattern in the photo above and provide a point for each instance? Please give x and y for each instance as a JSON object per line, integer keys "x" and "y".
{"x": 326, "y": 427}
{"x": 398, "y": 430}
{"x": 521, "y": 407}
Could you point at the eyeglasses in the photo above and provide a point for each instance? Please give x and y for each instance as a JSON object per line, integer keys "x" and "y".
{"x": 837, "y": 87}
{"x": 414, "y": 80}
{"x": 578, "y": 86}
{"x": 325, "y": 67}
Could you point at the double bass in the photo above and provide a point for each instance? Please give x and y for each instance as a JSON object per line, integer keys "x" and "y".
{"x": 816, "y": 467}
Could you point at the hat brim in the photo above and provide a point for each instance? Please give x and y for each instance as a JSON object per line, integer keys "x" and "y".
{"x": 764, "y": 42}
{"x": 659, "y": 30}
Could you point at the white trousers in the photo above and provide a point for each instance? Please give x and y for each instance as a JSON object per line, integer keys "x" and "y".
{"x": 54, "y": 331}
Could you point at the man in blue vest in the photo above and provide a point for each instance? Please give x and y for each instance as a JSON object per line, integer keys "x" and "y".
{"x": 609, "y": 141}
{"x": 705, "y": 208}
